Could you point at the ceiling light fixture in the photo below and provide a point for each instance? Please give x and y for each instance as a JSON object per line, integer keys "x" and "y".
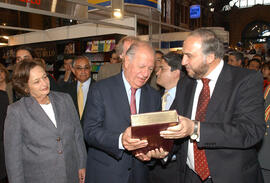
{"x": 117, "y": 9}
{"x": 117, "y": 13}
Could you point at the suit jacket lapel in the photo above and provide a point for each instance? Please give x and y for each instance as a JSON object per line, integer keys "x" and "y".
{"x": 37, "y": 112}
{"x": 121, "y": 97}
{"x": 190, "y": 98}
{"x": 76, "y": 100}
{"x": 74, "y": 88}
{"x": 143, "y": 99}
{"x": 56, "y": 107}
{"x": 222, "y": 87}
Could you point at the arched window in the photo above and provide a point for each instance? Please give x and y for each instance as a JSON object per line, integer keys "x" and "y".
{"x": 256, "y": 32}
{"x": 244, "y": 3}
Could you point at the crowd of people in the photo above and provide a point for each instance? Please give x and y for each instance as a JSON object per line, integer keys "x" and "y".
{"x": 76, "y": 129}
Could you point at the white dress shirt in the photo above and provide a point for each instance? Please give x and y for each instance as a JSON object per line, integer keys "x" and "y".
{"x": 85, "y": 88}
{"x": 170, "y": 97}
{"x": 213, "y": 76}
{"x": 137, "y": 95}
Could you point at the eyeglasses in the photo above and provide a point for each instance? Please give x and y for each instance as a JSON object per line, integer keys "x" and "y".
{"x": 82, "y": 68}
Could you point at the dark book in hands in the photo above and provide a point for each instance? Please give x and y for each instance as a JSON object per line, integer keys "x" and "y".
{"x": 148, "y": 126}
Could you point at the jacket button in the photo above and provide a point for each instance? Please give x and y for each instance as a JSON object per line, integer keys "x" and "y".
{"x": 60, "y": 152}
{"x": 58, "y": 139}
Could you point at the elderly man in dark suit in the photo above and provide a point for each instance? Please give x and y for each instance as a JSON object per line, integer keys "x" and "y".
{"x": 78, "y": 90}
{"x": 107, "y": 121}
{"x": 224, "y": 116}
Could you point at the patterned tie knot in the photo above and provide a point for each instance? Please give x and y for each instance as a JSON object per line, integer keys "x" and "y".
{"x": 81, "y": 85}
{"x": 164, "y": 100}
{"x": 205, "y": 81}
{"x": 164, "y": 97}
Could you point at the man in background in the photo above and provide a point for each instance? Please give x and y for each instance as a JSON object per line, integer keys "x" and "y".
{"x": 254, "y": 64}
{"x": 236, "y": 58}
{"x": 153, "y": 78}
{"x": 115, "y": 65}
{"x": 168, "y": 75}
{"x": 24, "y": 52}
{"x": 78, "y": 90}
{"x": 68, "y": 75}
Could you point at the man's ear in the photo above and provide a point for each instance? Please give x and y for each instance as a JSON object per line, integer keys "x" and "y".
{"x": 177, "y": 73}
{"x": 126, "y": 62}
{"x": 210, "y": 58}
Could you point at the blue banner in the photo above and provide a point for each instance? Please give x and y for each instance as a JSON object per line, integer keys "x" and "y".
{"x": 151, "y": 3}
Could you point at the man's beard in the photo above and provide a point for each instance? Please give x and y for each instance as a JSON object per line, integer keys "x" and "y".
{"x": 199, "y": 72}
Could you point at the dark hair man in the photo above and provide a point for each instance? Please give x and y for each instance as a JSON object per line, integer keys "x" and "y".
{"x": 168, "y": 76}
{"x": 236, "y": 58}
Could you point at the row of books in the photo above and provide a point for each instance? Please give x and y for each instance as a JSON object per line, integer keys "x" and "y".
{"x": 100, "y": 46}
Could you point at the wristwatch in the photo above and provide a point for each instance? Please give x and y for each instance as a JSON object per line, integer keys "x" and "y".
{"x": 195, "y": 135}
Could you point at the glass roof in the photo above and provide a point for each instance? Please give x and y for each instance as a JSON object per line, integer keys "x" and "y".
{"x": 245, "y": 3}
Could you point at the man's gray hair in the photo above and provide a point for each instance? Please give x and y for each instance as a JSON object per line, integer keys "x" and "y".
{"x": 210, "y": 42}
{"x": 80, "y": 57}
{"x": 136, "y": 45}
{"x": 120, "y": 46}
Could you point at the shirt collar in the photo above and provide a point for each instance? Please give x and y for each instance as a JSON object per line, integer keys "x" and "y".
{"x": 86, "y": 83}
{"x": 171, "y": 91}
{"x": 213, "y": 76}
{"x": 127, "y": 85}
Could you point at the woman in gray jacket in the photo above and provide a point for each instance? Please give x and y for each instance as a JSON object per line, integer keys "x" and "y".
{"x": 43, "y": 138}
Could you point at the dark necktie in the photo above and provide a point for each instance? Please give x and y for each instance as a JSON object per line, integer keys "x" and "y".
{"x": 200, "y": 161}
{"x": 133, "y": 101}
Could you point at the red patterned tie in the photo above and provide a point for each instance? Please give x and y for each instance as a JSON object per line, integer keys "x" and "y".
{"x": 201, "y": 165}
{"x": 133, "y": 101}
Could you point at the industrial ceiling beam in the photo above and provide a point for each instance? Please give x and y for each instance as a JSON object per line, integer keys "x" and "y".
{"x": 60, "y": 15}
{"x": 108, "y": 10}
{"x": 19, "y": 28}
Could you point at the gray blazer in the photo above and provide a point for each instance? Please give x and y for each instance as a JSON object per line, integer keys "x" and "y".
{"x": 37, "y": 151}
